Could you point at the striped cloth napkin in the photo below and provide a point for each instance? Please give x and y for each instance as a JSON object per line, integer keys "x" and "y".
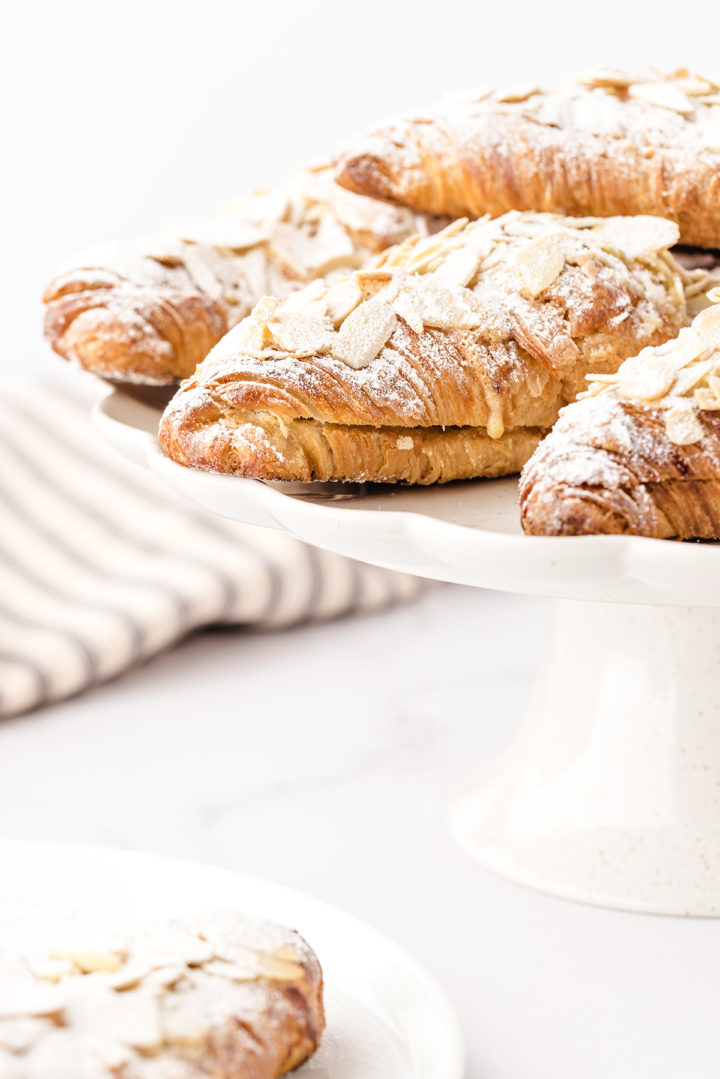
{"x": 101, "y": 566}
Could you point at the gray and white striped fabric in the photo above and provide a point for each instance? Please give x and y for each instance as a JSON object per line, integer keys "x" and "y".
{"x": 101, "y": 567}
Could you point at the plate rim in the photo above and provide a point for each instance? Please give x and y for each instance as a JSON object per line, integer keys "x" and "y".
{"x": 599, "y": 560}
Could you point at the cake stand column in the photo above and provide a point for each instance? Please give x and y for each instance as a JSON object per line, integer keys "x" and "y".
{"x": 611, "y": 795}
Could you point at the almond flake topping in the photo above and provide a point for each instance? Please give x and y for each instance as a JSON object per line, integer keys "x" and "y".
{"x": 470, "y": 276}
{"x": 663, "y": 94}
{"x": 637, "y": 236}
{"x": 364, "y": 333}
{"x": 302, "y": 334}
{"x": 540, "y": 262}
{"x": 342, "y": 298}
{"x": 683, "y": 426}
{"x": 516, "y": 93}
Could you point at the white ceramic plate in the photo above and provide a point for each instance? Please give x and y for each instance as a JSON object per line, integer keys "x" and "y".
{"x": 386, "y": 1018}
{"x": 463, "y": 532}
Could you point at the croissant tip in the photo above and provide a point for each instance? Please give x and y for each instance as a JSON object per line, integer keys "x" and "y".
{"x": 364, "y": 174}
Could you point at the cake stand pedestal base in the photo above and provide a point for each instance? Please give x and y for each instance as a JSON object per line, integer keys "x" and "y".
{"x": 611, "y": 795}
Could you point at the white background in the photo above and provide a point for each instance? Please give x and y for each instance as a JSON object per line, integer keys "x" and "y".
{"x": 118, "y": 118}
{"x": 326, "y": 756}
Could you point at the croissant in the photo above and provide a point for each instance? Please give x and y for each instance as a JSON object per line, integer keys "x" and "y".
{"x": 604, "y": 144}
{"x": 640, "y": 453}
{"x": 451, "y": 358}
{"x": 149, "y": 312}
{"x": 221, "y": 995}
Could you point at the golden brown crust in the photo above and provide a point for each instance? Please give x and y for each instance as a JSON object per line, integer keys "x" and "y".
{"x": 289, "y": 415}
{"x": 221, "y": 995}
{"x": 605, "y": 145}
{"x": 609, "y": 467}
{"x": 148, "y": 313}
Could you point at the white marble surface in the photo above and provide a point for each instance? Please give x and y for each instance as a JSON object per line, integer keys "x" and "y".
{"x": 324, "y": 758}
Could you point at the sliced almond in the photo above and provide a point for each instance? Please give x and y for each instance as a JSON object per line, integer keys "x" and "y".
{"x": 199, "y": 262}
{"x": 459, "y": 267}
{"x": 706, "y": 399}
{"x": 52, "y": 970}
{"x": 682, "y": 426}
{"x": 690, "y": 376}
{"x": 663, "y": 94}
{"x": 539, "y": 262}
{"x": 447, "y": 308}
{"x": 364, "y": 333}
{"x": 516, "y": 93}
{"x": 407, "y": 307}
{"x": 165, "y": 977}
{"x": 372, "y": 276}
{"x": 646, "y": 380}
{"x": 276, "y": 968}
{"x": 88, "y": 960}
{"x": 301, "y": 334}
{"x": 232, "y": 971}
{"x": 636, "y": 236}
{"x": 342, "y": 298}
{"x": 607, "y": 78}
{"x": 250, "y": 336}
{"x": 227, "y": 231}
{"x": 303, "y": 298}
{"x": 253, "y": 333}
{"x": 693, "y": 85}
{"x": 330, "y": 247}
{"x": 290, "y": 247}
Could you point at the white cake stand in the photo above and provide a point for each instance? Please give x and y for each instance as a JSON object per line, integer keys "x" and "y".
{"x": 612, "y": 793}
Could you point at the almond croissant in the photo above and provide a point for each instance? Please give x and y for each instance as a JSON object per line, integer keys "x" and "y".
{"x": 449, "y": 359}
{"x": 149, "y": 312}
{"x": 640, "y": 453}
{"x": 604, "y": 144}
{"x": 220, "y": 995}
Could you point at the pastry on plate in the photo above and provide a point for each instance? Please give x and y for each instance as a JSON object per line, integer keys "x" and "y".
{"x": 640, "y": 453}
{"x": 224, "y": 996}
{"x": 606, "y": 143}
{"x": 148, "y": 312}
{"x": 451, "y": 358}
